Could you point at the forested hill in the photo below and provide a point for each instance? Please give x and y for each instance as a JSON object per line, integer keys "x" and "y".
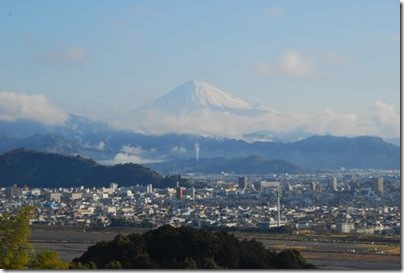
{"x": 38, "y": 169}
{"x": 186, "y": 248}
{"x": 238, "y": 165}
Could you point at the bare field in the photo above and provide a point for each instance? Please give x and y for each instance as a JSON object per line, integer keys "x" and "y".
{"x": 331, "y": 260}
{"x": 72, "y": 242}
{"x": 336, "y": 252}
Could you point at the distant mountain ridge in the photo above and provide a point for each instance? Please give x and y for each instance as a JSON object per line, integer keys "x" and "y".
{"x": 329, "y": 152}
{"x": 99, "y": 141}
{"x": 39, "y": 169}
{"x": 240, "y": 165}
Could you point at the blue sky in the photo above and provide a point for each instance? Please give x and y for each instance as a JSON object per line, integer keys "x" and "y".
{"x": 99, "y": 57}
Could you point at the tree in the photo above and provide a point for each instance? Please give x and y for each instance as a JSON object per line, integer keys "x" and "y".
{"x": 78, "y": 265}
{"x": 186, "y": 248}
{"x": 189, "y": 263}
{"x": 209, "y": 263}
{"x": 15, "y": 251}
{"x": 47, "y": 260}
{"x": 114, "y": 264}
{"x": 290, "y": 259}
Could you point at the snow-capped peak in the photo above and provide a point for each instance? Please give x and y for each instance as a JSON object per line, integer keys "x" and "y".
{"x": 198, "y": 95}
{"x": 204, "y": 94}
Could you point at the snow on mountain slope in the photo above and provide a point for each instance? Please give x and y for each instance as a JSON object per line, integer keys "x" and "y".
{"x": 197, "y": 107}
{"x": 197, "y": 95}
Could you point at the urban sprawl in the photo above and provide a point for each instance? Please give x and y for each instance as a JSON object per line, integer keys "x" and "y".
{"x": 361, "y": 202}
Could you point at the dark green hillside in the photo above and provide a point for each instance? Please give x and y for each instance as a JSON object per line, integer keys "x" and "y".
{"x": 248, "y": 165}
{"x": 239, "y": 165}
{"x": 186, "y": 248}
{"x": 37, "y": 169}
{"x": 329, "y": 152}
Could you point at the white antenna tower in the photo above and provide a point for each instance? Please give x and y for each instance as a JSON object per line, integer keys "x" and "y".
{"x": 197, "y": 152}
{"x": 278, "y": 195}
{"x": 197, "y": 155}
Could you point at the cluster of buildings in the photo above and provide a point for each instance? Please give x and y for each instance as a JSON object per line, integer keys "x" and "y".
{"x": 364, "y": 202}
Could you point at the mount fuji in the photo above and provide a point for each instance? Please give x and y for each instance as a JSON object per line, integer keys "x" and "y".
{"x": 197, "y": 107}
{"x": 196, "y": 96}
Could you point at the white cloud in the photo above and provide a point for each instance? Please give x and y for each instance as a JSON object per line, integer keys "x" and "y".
{"x": 383, "y": 121}
{"x": 122, "y": 158}
{"x": 386, "y": 117}
{"x": 178, "y": 150}
{"x": 209, "y": 123}
{"x": 101, "y": 146}
{"x": 128, "y": 149}
{"x": 53, "y": 55}
{"x": 294, "y": 65}
{"x": 67, "y": 55}
{"x": 130, "y": 154}
{"x": 201, "y": 122}
{"x": 291, "y": 64}
{"x": 15, "y": 106}
{"x": 331, "y": 122}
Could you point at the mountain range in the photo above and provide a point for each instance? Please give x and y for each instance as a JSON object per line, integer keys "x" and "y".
{"x": 194, "y": 101}
{"x": 238, "y": 165}
{"x": 315, "y": 152}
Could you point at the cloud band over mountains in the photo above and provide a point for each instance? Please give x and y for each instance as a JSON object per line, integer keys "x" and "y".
{"x": 233, "y": 126}
{"x": 382, "y": 120}
{"x": 15, "y": 106}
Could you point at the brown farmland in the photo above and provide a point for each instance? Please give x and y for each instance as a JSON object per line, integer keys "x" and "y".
{"x": 331, "y": 254}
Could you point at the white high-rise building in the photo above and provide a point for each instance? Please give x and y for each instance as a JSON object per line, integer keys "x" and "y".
{"x": 334, "y": 184}
{"x": 378, "y": 185}
{"x": 191, "y": 192}
{"x": 149, "y": 188}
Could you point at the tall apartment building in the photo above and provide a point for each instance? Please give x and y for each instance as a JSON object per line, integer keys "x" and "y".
{"x": 149, "y": 188}
{"x": 378, "y": 185}
{"x": 13, "y": 191}
{"x": 242, "y": 182}
{"x": 334, "y": 184}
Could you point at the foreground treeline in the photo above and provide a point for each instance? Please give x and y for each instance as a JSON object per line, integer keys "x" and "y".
{"x": 15, "y": 250}
{"x": 163, "y": 248}
{"x": 186, "y": 248}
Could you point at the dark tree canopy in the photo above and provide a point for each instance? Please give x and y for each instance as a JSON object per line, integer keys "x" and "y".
{"x": 15, "y": 250}
{"x": 185, "y": 248}
{"x": 39, "y": 169}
